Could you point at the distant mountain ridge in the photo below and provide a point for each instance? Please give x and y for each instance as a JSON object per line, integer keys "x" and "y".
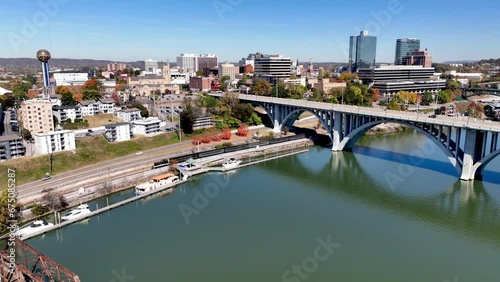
{"x": 60, "y": 63}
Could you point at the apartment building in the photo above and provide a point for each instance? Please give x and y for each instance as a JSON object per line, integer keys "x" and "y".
{"x": 36, "y": 115}
{"x": 55, "y": 141}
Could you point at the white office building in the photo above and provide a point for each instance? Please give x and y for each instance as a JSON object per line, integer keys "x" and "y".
{"x": 146, "y": 126}
{"x": 151, "y": 66}
{"x": 273, "y": 67}
{"x": 118, "y": 132}
{"x": 70, "y": 79}
{"x": 128, "y": 115}
{"x": 227, "y": 69}
{"x": 55, "y": 141}
{"x": 188, "y": 62}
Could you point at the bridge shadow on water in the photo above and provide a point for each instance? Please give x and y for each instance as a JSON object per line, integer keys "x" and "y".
{"x": 444, "y": 167}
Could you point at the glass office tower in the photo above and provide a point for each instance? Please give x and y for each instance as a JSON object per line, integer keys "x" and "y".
{"x": 362, "y": 51}
{"x": 404, "y": 47}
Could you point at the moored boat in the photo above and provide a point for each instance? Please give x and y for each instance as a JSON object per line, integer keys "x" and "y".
{"x": 80, "y": 211}
{"x": 157, "y": 182}
{"x": 230, "y": 163}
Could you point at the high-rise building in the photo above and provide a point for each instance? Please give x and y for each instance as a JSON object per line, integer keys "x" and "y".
{"x": 207, "y": 61}
{"x": 418, "y": 58}
{"x": 150, "y": 66}
{"x": 362, "y": 51}
{"x": 404, "y": 46}
{"x": 188, "y": 62}
{"x": 272, "y": 67}
{"x": 227, "y": 69}
{"x": 36, "y": 115}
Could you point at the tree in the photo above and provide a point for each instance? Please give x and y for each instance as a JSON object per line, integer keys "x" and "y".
{"x": 243, "y": 112}
{"x": 91, "y": 94}
{"x": 353, "y": 95}
{"x": 39, "y": 210}
{"x": 199, "y": 73}
{"x": 7, "y": 102}
{"x": 243, "y": 130}
{"x": 224, "y": 78}
{"x": 444, "y": 96}
{"x": 92, "y": 84}
{"x": 209, "y": 102}
{"x": 116, "y": 98}
{"x": 144, "y": 110}
{"x": 346, "y": 76}
{"x": 137, "y": 72}
{"x": 427, "y": 99}
{"x": 26, "y": 134}
{"x": 261, "y": 87}
{"x": 406, "y": 97}
{"x": 53, "y": 201}
{"x": 187, "y": 117}
{"x": 9, "y": 209}
{"x": 376, "y": 94}
{"x": 121, "y": 86}
{"x": 254, "y": 119}
{"x": 452, "y": 84}
{"x": 226, "y": 134}
{"x": 20, "y": 91}
{"x": 393, "y": 105}
{"x": 67, "y": 98}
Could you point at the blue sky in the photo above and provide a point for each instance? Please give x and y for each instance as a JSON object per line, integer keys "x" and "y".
{"x": 130, "y": 30}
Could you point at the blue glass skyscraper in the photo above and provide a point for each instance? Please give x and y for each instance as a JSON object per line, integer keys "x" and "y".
{"x": 362, "y": 51}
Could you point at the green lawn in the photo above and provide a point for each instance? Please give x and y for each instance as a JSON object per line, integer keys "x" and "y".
{"x": 89, "y": 151}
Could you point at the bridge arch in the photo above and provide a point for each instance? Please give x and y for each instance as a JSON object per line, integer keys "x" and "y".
{"x": 349, "y": 140}
{"x": 478, "y": 168}
{"x": 294, "y": 115}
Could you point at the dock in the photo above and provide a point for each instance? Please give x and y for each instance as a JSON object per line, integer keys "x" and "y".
{"x": 293, "y": 150}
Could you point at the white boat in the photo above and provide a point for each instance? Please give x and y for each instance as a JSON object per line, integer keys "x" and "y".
{"x": 231, "y": 163}
{"x": 81, "y": 210}
{"x": 35, "y": 226}
{"x": 158, "y": 182}
{"x": 189, "y": 165}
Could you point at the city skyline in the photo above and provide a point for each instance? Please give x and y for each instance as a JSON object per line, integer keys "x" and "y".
{"x": 233, "y": 29}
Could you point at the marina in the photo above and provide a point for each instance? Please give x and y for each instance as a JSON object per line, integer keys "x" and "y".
{"x": 156, "y": 185}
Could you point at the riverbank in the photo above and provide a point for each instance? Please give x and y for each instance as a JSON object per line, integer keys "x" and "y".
{"x": 76, "y": 194}
{"x": 387, "y": 128}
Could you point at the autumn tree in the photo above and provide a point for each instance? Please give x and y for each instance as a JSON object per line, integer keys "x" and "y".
{"x": 376, "y": 94}
{"x": 346, "y": 76}
{"x": 261, "y": 87}
{"x": 92, "y": 84}
{"x": 116, "y": 98}
{"x": 226, "y": 134}
{"x": 67, "y": 98}
{"x": 242, "y": 130}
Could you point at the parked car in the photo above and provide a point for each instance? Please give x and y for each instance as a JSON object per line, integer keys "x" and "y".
{"x": 90, "y": 130}
{"x": 432, "y": 116}
{"x": 46, "y": 177}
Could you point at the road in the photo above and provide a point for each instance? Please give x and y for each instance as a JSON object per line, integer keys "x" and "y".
{"x": 143, "y": 160}
{"x": 6, "y": 122}
{"x": 463, "y": 122}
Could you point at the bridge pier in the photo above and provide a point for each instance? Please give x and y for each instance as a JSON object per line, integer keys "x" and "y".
{"x": 337, "y": 132}
{"x": 473, "y": 150}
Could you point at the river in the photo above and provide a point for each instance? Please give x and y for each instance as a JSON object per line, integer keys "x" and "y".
{"x": 391, "y": 210}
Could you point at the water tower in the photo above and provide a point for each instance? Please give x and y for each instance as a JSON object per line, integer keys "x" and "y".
{"x": 44, "y": 56}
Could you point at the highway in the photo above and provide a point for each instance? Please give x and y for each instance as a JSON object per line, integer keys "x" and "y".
{"x": 463, "y": 122}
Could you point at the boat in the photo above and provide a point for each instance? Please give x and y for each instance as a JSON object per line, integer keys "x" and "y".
{"x": 158, "y": 182}
{"x": 189, "y": 165}
{"x": 80, "y": 211}
{"x": 35, "y": 226}
{"x": 231, "y": 163}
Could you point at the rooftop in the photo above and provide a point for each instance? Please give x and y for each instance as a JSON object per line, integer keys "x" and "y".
{"x": 107, "y": 100}
{"x": 130, "y": 110}
{"x": 86, "y": 102}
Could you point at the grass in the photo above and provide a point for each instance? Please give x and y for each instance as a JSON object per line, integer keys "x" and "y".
{"x": 89, "y": 151}
{"x": 101, "y": 120}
